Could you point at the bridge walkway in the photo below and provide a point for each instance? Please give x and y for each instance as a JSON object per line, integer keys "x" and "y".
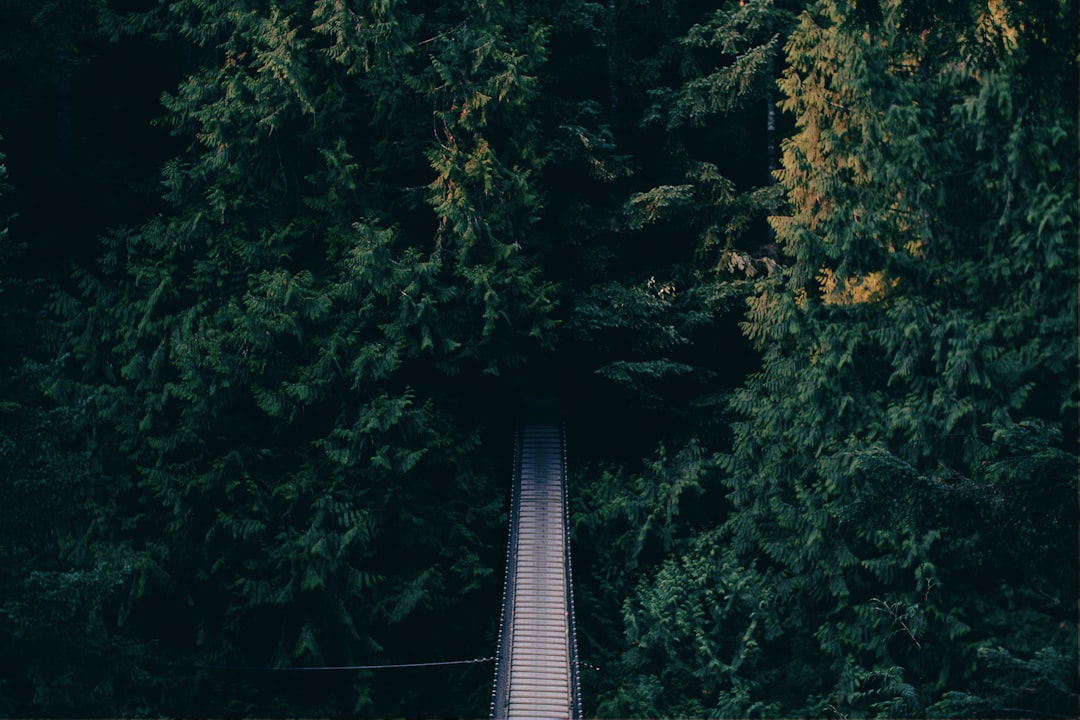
{"x": 536, "y": 674}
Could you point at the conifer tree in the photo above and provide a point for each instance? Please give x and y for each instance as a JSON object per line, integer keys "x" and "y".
{"x": 387, "y": 212}
{"x": 661, "y": 325}
{"x": 689, "y": 223}
{"x": 51, "y": 591}
{"x": 903, "y": 475}
{"x": 265, "y": 366}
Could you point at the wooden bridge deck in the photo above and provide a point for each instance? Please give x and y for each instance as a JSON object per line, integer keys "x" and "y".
{"x": 536, "y": 674}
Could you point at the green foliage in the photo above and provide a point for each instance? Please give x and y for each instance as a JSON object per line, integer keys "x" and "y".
{"x": 725, "y": 64}
{"x": 277, "y": 418}
{"x": 264, "y": 366}
{"x": 645, "y": 333}
{"x": 692, "y": 99}
{"x": 643, "y": 314}
{"x": 679, "y": 641}
{"x": 625, "y": 521}
{"x": 1015, "y": 685}
{"x": 52, "y": 588}
{"x": 691, "y": 213}
{"x": 887, "y": 534}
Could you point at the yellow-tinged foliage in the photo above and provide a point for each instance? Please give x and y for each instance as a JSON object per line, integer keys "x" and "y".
{"x": 852, "y": 290}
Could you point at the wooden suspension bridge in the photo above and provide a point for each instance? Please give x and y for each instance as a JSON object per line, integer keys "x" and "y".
{"x": 536, "y": 674}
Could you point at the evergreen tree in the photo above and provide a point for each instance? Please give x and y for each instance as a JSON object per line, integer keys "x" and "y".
{"x": 62, "y": 657}
{"x": 683, "y": 228}
{"x": 266, "y": 366}
{"x": 903, "y": 476}
{"x": 278, "y": 437}
{"x": 659, "y": 326}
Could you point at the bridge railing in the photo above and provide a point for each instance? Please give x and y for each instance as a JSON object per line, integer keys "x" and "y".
{"x": 575, "y": 675}
{"x": 500, "y": 694}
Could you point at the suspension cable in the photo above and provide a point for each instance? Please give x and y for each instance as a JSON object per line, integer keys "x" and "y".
{"x": 271, "y": 668}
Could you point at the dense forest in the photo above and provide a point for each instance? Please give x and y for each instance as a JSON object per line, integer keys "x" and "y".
{"x": 276, "y": 274}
